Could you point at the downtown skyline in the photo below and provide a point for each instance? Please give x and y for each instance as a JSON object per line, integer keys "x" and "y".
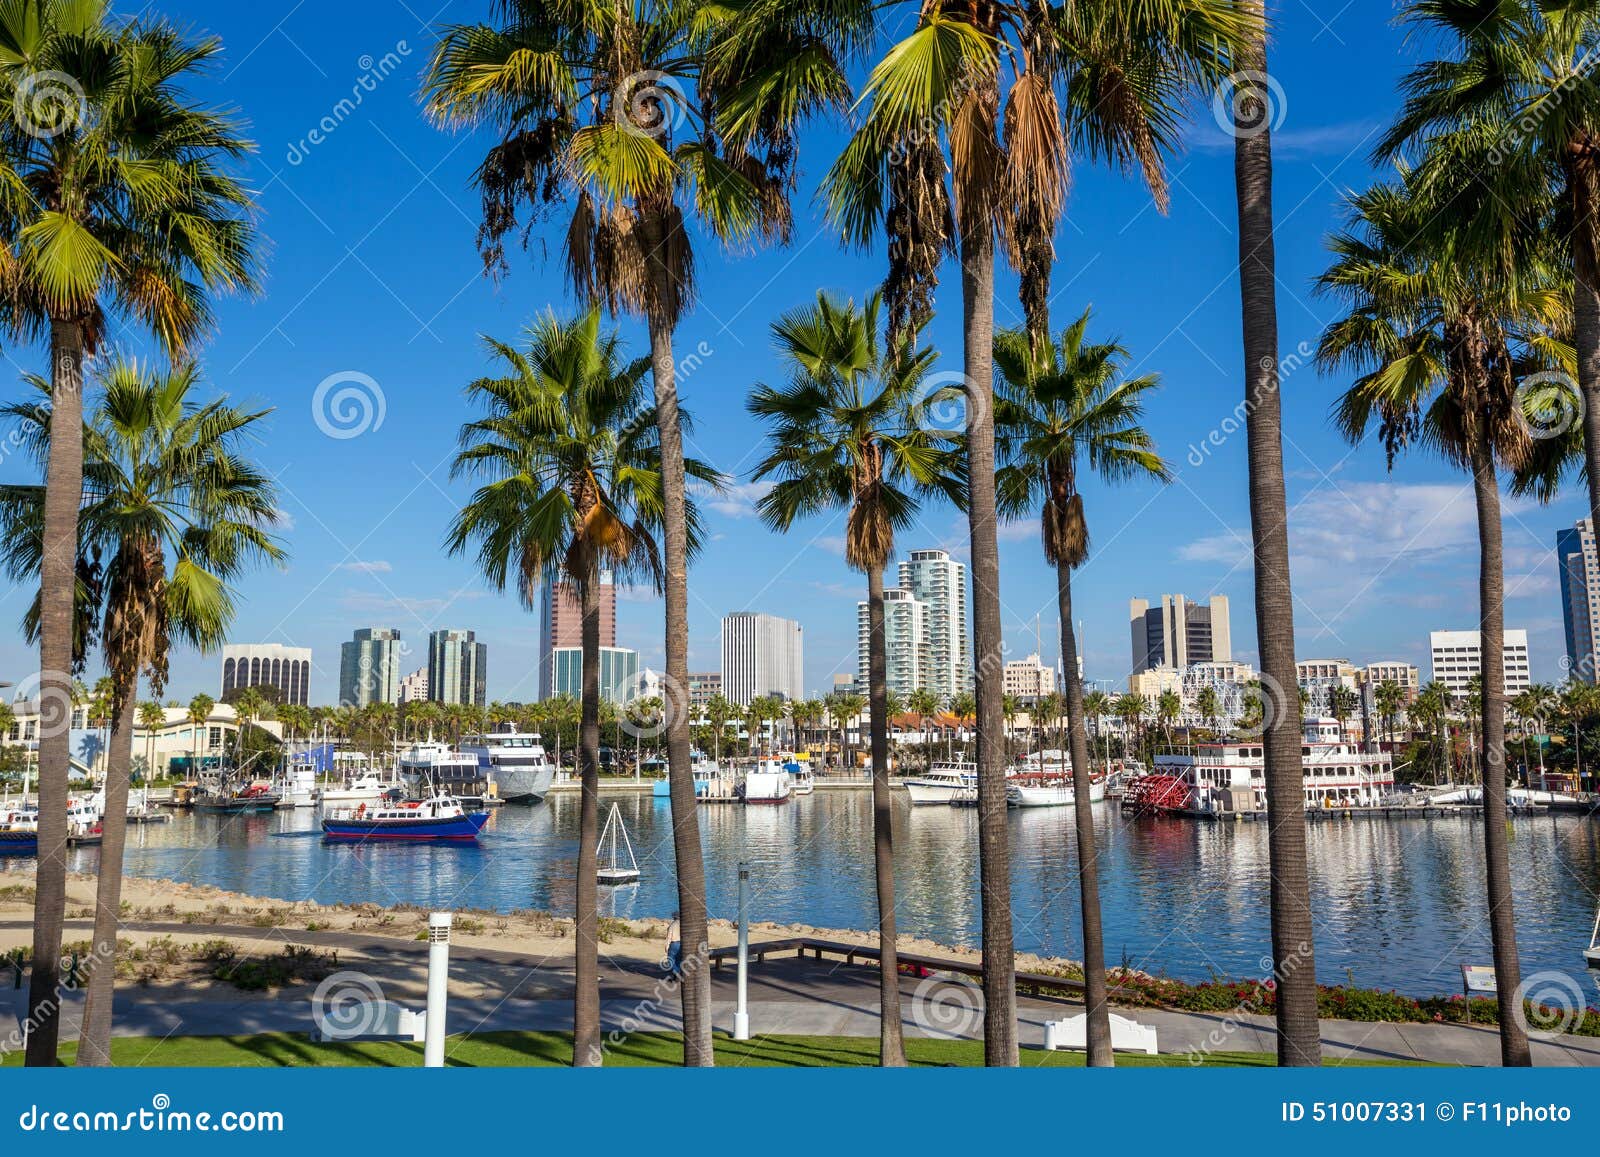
{"x": 374, "y": 291}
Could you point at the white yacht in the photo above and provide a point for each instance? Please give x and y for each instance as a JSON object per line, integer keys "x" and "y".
{"x": 515, "y": 761}
{"x": 801, "y": 781}
{"x": 767, "y": 782}
{"x": 364, "y": 788}
{"x": 943, "y": 783}
{"x": 1048, "y": 789}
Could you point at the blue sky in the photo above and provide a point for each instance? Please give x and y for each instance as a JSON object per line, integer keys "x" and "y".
{"x": 372, "y": 275}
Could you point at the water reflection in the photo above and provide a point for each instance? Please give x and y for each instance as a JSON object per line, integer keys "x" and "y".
{"x": 1398, "y": 902}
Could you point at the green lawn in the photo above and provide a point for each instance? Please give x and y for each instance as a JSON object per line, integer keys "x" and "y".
{"x": 508, "y": 1049}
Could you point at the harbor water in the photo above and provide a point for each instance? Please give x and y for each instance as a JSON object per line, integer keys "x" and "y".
{"x": 1399, "y": 902}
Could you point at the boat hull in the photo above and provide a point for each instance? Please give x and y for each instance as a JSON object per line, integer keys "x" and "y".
{"x": 933, "y": 793}
{"x": 19, "y": 843}
{"x": 523, "y": 784}
{"x": 462, "y": 827}
{"x": 1050, "y": 795}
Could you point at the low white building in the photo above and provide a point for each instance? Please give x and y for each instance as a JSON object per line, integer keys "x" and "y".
{"x": 157, "y": 747}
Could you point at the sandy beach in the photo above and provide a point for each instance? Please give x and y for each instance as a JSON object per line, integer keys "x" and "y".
{"x": 179, "y": 956}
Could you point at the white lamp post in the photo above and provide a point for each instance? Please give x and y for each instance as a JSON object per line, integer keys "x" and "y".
{"x": 438, "y": 982}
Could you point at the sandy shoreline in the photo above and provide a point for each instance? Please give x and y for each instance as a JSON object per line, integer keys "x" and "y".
{"x": 542, "y": 940}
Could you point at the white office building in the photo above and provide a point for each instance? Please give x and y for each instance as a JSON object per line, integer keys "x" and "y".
{"x": 288, "y": 669}
{"x": 761, "y": 655}
{"x": 939, "y": 582}
{"x": 1458, "y": 659}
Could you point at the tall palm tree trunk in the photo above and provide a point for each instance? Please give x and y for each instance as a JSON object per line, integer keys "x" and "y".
{"x": 586, "y": 948}
{"x": 94, "y": 1044}
{"x": 57, "y": 584}
{"x": 1299, "y": 1038}
{"x": 1585, "y": 183}
{"x": 1491, "y": 602}
{"x": 891, "y": 1050}
{"x": 994, "y": 853}
{"x": 1098, "y": 1025}
{"x": 695, "y": 982}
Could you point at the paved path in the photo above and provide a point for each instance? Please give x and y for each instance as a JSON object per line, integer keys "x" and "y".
{"x": 787, "y": 996}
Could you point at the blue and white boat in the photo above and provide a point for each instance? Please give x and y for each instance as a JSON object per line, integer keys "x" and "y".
{"x": 19, "y": 832}
{"x": 440, "y": 817}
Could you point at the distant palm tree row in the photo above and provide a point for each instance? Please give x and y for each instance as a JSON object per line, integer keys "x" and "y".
{"x": 1471, "y": 283}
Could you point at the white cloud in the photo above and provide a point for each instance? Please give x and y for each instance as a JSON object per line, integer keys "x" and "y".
{"x": 737, "y": 501}
{"x": 376, "y": 566}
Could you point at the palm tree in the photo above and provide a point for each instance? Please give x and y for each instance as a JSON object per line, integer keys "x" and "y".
{"x": 199, "y": 711}
{"x": 845, "y": 432}
{"x": 1130, "y": 708}
{"x": 115, "y": 208}
{"x": 719, "y": 712}
{"x": 1433, "y": 703}
{"x": 1096, "y": 706}
{"x": 1058, "y": 409}
{"x": 1441, "y": 335}
{"x": 1343, "y": 703}
{"x": 1390, "y": 699}
{"x": 570, "y": 470}
{"x": 1169, "y": 709}
{"x": 1299, "y": 1041}
{"x": 1209, "y": 705}
{"x": 152, "y": 718}
{"x": 924, "y": 704}
{"x": 588, "y": 96}
{"x": 1528, "y": 67}
{"x": 177, "y": 512}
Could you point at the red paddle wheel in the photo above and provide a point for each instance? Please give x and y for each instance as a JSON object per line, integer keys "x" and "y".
{"x": 1156, "y": 793}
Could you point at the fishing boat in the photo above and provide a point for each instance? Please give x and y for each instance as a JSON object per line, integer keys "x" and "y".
{"x": 1048, "y": 789}
{"x": 943, "y": 783}
{"x": 617, "y": 862}
{"x": 258, "y": 797}
{"x": 297, "y": 785}
{"x": 440, "y": 817}
{"x": 766, "y": 783}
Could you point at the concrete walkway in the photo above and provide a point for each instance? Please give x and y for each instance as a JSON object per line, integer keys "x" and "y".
{"x": 787, "y": 996}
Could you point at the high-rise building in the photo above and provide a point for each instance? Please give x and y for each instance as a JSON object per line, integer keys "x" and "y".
{"x": 619, "y": 673}
{"x": 561, "y": 624}
{"x": 1580, "y": 598}
{"x": 906, "y": 644}
{"x": 761, "y": 655}
{"x": 369, "y": 667}
{"x": 704, "y": 686}
{"x": 288, "y": 669}
{"x": 1458, "y": 658}
{"x": 939, "y": 582}
{"x": 1179, "y": 632}
{"x": 414, "y": 687}
{"x": 458, "y": 668}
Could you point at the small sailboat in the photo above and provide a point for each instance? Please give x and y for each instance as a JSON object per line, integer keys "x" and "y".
{"x": 614, "y": 846}
{"x": 1591, "y": 954}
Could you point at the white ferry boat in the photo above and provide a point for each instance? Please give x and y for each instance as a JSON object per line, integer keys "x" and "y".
{"x": 515, "y": 761}
{"x": 1229, "y": 778}
{"x": 943, "y": 783}
{"x": 426, "y": 768}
